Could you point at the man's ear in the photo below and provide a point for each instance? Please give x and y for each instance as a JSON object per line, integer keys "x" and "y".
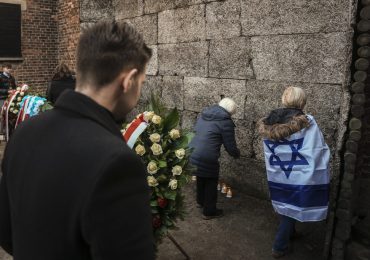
{"x": 127, "y": 80}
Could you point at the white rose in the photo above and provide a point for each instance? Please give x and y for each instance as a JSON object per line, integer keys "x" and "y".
{"x": 19, "y": 99}
{"x": 11, "y": 109}
{"x": 152, "y": 167}
{"x": 156, "y": 149}
{"x": 22, "y": 94}
{"x": 180, "y": 153}
{"x": 156, "y": 119}
{"x": 18, "y": 89}
{"x": 140, "y": 150}
{"x": 173, "y": 184}
{"x": 24, "y": 87}
{"x": 155, "y": 138}
{"x": 152, "y": 182}
{"x": 174, "y": 134}
{"x": 12, "y": 104}
{"x": 176, "y": 170}
{"x": 148, "y": 116}
{"x": 15, "y": 111}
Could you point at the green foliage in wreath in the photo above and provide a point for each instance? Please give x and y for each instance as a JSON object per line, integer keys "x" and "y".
{"x": 164, "y": 149}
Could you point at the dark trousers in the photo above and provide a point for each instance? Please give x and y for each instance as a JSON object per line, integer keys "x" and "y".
{"x": 285, "y": 230}
{"x": 207, "y": 194}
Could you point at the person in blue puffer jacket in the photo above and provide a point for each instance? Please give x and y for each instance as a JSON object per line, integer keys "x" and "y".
{"x": 214, "y": 128}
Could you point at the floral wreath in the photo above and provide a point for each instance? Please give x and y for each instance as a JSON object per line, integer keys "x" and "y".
{"x": 164, "y": 149}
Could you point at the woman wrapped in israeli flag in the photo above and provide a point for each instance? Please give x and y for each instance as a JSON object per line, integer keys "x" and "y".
{"x": 297, "y": 165}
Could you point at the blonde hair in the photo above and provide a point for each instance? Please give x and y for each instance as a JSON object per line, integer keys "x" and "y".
{"x": 294, "y": 97}
{"x": 228, "y": 104}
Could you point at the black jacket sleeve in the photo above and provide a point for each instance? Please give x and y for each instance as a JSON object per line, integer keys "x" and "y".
{"x": 5, "y": 223}
{"x": 228, "y": 138}
{"x": 117, "y": 220}
{"x": 48, "y": 92}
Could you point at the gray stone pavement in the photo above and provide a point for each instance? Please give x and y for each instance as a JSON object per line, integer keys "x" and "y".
{"x": 245, "y": 232}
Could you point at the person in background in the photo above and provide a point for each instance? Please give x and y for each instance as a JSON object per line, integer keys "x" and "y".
{"x": 63, "y": 79}
{"x": 213, "y": 128}
{"x": 297, "y": 164}
{"x": 71, "y": 187}
{"x": 7, "y": 82}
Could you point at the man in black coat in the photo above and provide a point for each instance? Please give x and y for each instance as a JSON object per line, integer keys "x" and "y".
{"x": 61, "y": 81}
{"x": 213, "y": 129}
{"x": 71, "y": 187}
{"x": 7, "y": 81}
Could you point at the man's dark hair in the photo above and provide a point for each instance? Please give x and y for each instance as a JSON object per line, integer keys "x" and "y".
{"x": 62, "y": 72}
{"x": 107, "y": 48}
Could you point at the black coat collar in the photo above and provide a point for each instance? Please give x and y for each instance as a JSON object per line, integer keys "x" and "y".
{"x": 85, "y": 106}
{"x": 282, "y": 116}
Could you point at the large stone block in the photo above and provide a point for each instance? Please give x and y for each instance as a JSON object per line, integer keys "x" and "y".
{"x": 153, "y": 84}
{"x": 173, "y": 91}
{"x": 261, "y": 17}
{"x": 127, "y": 8}
{"x": 223, "y": 19}
{"x": 229, "y": 58}
{"x": 188, "y": 119}
{"x": 316, "y": 58}
{"x": 326, "y": 113}
{"x": 263, "y": 96}
{"x": 186, "y": 59}
{"x": 258, "y": 147}
{"x": 182, "y": 25}
{"x": 229, "y": 166}
{"x": 244, "y": 137}
{"x": 94, "y": 10}
{"x": 244, "y": 174}
{"x": 147, "y": 25}
{"x": 154, "y": 6}
{"x": 152, "y": 67}
{"x": 203, "y": 92}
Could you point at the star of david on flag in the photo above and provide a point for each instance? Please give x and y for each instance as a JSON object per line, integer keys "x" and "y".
{"x": 296, "y": 158}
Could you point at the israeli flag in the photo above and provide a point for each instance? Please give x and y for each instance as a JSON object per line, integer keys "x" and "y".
{"x": 298, "y": 174}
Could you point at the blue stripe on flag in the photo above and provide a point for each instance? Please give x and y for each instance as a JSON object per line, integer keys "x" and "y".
{"x": 300, "y": 195}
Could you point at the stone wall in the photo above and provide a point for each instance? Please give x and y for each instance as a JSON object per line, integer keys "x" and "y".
{"x": 249, "y": 51}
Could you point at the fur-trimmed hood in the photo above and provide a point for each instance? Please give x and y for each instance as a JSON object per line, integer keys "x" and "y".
{"x": 282, "y": 122}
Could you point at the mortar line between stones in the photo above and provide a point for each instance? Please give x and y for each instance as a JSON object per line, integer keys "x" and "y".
{"x": 299, "y": 82}
{"x": 176, "y": 7}
{"x": 295, "y": 34}
{"x": 240, "y": 16}
{"x": 265, "y": 80}
{"x": 208, "y": 56}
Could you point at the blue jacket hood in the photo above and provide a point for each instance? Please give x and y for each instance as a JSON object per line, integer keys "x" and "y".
{"x": 215, "y": 113}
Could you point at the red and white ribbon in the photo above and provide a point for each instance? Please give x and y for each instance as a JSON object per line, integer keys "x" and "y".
{"x": 133, "y": 132}
{"x": 22, "y": 115}
{"x": 14, "y": 95}
{"x": 6, "y": 107}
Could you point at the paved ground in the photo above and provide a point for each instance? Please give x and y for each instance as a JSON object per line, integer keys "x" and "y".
{"x": 245, "y": 232}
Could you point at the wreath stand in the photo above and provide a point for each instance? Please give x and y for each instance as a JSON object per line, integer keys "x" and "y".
{"x": 173, "y": 240}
